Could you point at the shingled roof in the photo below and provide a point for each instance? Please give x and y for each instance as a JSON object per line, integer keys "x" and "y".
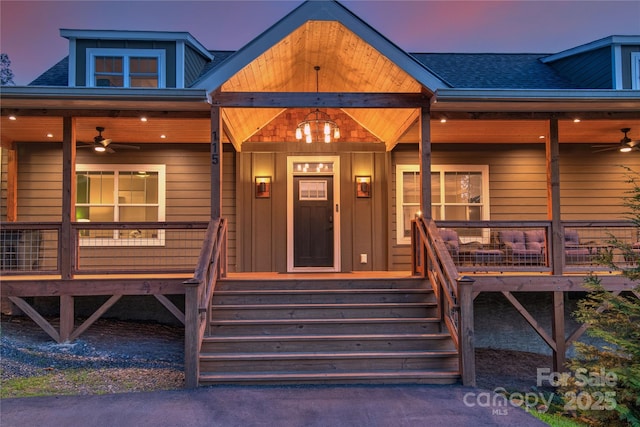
{"x": 494, "y": 71}
{"x": 460, "y": 70}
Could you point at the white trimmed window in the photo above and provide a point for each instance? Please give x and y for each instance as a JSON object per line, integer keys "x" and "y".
{"x": 458, "y": 193}
{"x": 126, "y": 68}
{"x": 120, "y": 193}
{"x": 635, "y": 71}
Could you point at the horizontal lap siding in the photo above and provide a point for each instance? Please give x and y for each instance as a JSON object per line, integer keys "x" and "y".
{"x": 188, "y": 179}
{"x": 592, "y": 185}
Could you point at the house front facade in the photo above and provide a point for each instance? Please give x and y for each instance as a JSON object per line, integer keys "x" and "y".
{"x": 319, "y": 143}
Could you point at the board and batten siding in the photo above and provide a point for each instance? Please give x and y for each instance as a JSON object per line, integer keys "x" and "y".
{"x": 188, "y": 181}
{"x": 592, "y": 186}
{"x": 262, "y": 222}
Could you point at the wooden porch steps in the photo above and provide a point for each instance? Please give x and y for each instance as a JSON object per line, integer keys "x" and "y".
{"x": 326, "y": 331}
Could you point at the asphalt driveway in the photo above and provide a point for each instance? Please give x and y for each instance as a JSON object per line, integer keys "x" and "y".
{"x": 335, "y": 406}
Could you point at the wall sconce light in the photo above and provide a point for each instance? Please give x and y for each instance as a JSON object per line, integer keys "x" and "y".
{"x": 363, "y": 186}
{"x": 263, "y": 187}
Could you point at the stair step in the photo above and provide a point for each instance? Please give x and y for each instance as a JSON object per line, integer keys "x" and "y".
{"x": 311, "y": 283}
{"x": 325, "y": 326}
{"x": 329, "y": 361}
{"x": 322, "y": 343}
{"x": 355, "y": 377}
{"x": 314, "y": 296}
{"x": 299, "y": 311}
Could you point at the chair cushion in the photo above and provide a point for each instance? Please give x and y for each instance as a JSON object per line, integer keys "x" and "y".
{"x": 450, "y": 238}
{"x": 513, "y": 239}
{"x": 571, "y": 238}
{"x": 535, "y": 239}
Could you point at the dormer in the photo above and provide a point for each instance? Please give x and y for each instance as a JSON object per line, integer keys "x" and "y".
{"x": 609, "y": 63}
{"x": 134, "y": 59}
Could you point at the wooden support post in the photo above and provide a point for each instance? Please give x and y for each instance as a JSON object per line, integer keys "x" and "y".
{"x": 556, "y": 245}
{"x": 191, "y": 334}
{"x": 559, "y": 353}
{"x": 67, "y": 315}
{"x": 216, "y": 164}
{"x": 425, "y": 162}
{"x": 466, "y": 332}
{"x": 67, "y": 243}
{"x": 12, "y": 183}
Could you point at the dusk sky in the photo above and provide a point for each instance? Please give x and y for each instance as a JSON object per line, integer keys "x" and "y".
{"x": 30, "y": 35}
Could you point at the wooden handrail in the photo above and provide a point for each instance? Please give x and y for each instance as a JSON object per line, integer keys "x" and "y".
{"x": 199, "y": 291}
{"x": 454, "y": 293}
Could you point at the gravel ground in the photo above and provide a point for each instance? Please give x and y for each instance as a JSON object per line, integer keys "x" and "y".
{"x": 120, "y": 356}
{"x": 132, "y": 356}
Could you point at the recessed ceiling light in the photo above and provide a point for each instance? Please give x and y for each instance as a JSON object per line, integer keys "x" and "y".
{"x": 163, "y": 136}
{"x": 576, "y": 120}
{"x": 143, "y": 119}
{"x": 443, "y": 120}
{"x": 49, "y": 135}
{"x": 541, "y": 137}
{"x": 12, "y": 117}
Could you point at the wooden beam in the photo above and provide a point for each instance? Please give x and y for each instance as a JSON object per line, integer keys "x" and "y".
{"x": 90, "y": 287}
{"x": 66, "y": 242}
{"x": 466, "y": 332}
{"x": 557, "y": 330}
{"x": 552, "y": 149}
{"x": 36, "y": 317}
{"x": 425, "y": 163}
{"x": 67, "y": 316}
{"x": 95, "y": 316}
{"x": 171, "y": 307}
{"x": 547, "y": 283}
{"x": 318, "y": 100}
{"x": 216, "y": 164}
{"x": 529, "y": 318}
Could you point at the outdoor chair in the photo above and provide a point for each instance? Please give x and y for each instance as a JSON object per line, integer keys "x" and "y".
{"x": 452, "y": 242}
{"x": 574, "y": 251}
{"x": 523, "y": 247}
{"x": 468, "y": 252}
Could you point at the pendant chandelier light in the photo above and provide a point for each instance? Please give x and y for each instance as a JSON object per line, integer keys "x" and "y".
{"x": 317, "y": 124}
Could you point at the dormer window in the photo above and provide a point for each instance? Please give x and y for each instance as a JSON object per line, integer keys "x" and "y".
{"x": 126, "y": 68}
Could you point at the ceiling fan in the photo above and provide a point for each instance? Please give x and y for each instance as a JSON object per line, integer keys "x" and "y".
{"x": 626, "y": 144}
{"x": 101, "y": 144}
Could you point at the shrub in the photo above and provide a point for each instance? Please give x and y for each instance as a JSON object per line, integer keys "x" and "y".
{"x": 610, "y": 395}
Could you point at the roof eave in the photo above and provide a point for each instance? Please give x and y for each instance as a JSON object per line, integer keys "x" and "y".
{"x": 536, "y": 100}
{"x": 56, "y": 98}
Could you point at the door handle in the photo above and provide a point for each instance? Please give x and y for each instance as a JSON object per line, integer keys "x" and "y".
{"x": 330, "y": 219}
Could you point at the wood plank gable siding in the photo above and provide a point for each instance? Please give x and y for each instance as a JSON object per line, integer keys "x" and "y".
{"x": 592, "y": 186}
{"x": 591, "y": 69}
{"x": 187, "y": 181}
{"x": 83, "y": 45}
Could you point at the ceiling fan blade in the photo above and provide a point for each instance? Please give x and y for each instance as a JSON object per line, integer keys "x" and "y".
{"x": 124, "y": 147}
{"x": 605, "y": 149}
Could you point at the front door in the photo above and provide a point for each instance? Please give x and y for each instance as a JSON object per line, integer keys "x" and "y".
{"x": 313, "y": 221}
{"x": 313, "y": 214}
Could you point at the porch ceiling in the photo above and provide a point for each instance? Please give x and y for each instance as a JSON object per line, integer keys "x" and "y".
{"x": 197, "y": 130}
{"x": 347, "y": 64}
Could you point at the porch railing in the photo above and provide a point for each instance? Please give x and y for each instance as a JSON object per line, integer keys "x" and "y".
{"x": 198, "y": 294}
{"x": 432, "y": 261}
{"x": 481, "y": 247}
{"x": 33, "y": 248}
